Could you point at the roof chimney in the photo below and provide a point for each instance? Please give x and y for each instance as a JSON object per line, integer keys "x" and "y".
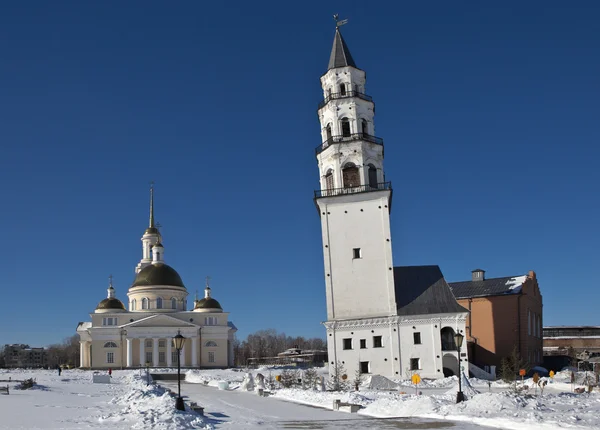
{"x": 478, "y": 275}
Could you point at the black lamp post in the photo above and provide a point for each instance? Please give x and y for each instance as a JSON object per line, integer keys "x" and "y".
{"x": 179, "y": 341}
{"x": 458, "y": 338}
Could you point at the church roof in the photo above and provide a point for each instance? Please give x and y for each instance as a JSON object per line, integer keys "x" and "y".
{"x": 111, "y": 303}
{"x": 207, "y": 303}
{"x": 340, "y": 54}
{"x": 422, "y": 290}
{"x": 488, "y": 287}
{"x": 158, "y": 274}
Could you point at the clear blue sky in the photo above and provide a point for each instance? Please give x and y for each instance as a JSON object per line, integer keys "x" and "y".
{"x": 489, "y": 112}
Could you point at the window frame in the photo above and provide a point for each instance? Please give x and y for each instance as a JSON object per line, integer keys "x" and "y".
{"x": 356, "y": 253}
{"x": 376, "y": 340}
{"x": 417, "y": 338}
{"x": 211, "y": 357}
{"x": 418, "y": 364}
{"x": 345, "y": 342}
{"x": 363, "y": 343}
{"x": 110, "y": 357}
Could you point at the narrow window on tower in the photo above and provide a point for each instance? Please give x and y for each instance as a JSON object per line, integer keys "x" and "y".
{"x": 159, "y": 303}
{"x": 363, "y": 344}
{"x": 329, "y": 180}
{"x": 364, "y": 127}
{"x": 372, "y": 176}
{"x": 343, "y": 89}
{"x": 350, "y": 176}
{"x": 356, "y": 253}
{"x": 345, "y": 127}
{"x": 328, "y": 132}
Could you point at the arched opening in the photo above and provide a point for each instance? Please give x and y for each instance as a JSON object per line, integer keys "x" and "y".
{"x": 328, "y": 92}
{"x": 110, "y": 345}
{"x": 372, "y": 176}
{"x": 144, "y": 303}
{"x": 350, "y": 176}
{"x": 159, "y": 303}
{"x": 173, "y": 303}
{"x": 447, "y": 335}
{"x": 343, "y": 89}
{"x": 211, "y": 343}
{"x": 328, "y": 131}
{"x": 364, "y": 126}
{"x": 450, "y": 365}
{"x": 329, "y": 180}
{"x": 345, "y": 127}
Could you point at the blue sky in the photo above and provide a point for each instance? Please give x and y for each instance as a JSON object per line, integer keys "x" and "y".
{"x": 489, "y": 113}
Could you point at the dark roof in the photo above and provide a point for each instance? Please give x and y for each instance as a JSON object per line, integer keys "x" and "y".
{"x": 340, "y": 55}
{"x": 111, "y": 303}
{"x": 487, "y": 287}
{"x": 151, "y": 230}
{"x": 423, "y": 290}
{"x": 158, "y": 274}
{"x": 209, "y": 303}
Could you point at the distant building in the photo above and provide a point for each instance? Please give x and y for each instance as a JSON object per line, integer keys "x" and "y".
{"x": 120, "y": 336}
{"x": 564, "y": 345}
{"x": 292, "y": 356}
{"x": 504, "y": 313}
{"x": 20, "y": 355}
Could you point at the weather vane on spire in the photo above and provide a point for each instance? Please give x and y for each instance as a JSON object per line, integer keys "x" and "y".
{"x": 339, "y": 22}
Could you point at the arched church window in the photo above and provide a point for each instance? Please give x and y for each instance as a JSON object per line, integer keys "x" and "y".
{"x": 328, "y": 131}
{"x": 343, "y": 89}
{"x": 364, "y": 127}
{"x": 173, "y": 303}
{"x": 329, "y": 180}
{"x": 345, "y": 127}
{"x": 110, "y": 345}
{"x": 211, "y": 343}
{"x": 144, "y": 303}
{"x": 350, "y": 176}
{"x": 372, "y": 176}
{"x": 159, "y": 303}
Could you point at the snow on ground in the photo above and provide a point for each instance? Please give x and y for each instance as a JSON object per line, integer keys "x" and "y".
{"x": 494, "y": 404}
{"x": 72, "y": 401}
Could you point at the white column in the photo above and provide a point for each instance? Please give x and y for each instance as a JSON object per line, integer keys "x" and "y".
{"x": 142, "y": 352}
{"x": 182, "y": 356}
{"x": 82, "y": 354}
{"x": 195, "y": 351}
{"x": 129, "y": 352}
{"x": 155, "y": 352}
{"x": 169, "y": 352}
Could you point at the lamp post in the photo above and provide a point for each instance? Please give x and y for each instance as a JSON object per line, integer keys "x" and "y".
{"x": 179, "y": 340}
{"x": 147, "y": 373}
{"x": 458, "y": 338}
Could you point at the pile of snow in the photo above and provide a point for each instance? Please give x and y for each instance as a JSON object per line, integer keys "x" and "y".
{"x": 378, "y": 382}
{"x": 151, "y": 407}
{"x": 466, "y": 387}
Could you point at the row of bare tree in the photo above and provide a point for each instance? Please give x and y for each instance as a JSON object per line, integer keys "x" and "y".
{"x": 65, "y": 353}
{"x": 268, "y": 343}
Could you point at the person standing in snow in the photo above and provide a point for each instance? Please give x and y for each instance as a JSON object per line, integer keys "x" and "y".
{"x": 59, "y": 370}
{"x": 110, "y": 372}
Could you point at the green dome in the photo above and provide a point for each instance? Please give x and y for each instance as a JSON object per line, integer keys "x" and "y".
{"x": 158, "y": 274}
{"x": 111, "y": 303}
{"x": 209, "y": 303}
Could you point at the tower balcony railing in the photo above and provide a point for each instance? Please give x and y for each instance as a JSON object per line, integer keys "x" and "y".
{"x": 367, "y": 188}
{"x": 348, "y": 138}
{"x": 345, "y": 95}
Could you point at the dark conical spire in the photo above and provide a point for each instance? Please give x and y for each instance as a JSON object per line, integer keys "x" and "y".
{"x": 340, "y": 54}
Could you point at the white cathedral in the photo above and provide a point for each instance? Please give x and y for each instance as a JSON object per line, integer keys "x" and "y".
{"x": 142, "y": 335}
{"x": 381, "y": 319}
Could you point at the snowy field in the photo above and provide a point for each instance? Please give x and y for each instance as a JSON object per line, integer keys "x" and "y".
{"x": 72, "y": 401}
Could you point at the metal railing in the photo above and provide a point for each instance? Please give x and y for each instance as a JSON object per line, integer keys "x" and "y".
{"x": 330, "y": 192}
{"x": 349, "y": 138}
{"x": 344, "y": 95}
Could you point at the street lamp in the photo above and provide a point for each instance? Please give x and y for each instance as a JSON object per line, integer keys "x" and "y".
{"x": 179, "y": 340}
{"x": 147, "y": 373}
{"x": 458, "y": 338}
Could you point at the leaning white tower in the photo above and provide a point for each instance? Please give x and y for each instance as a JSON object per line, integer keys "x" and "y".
{"x": 354, "y": 201}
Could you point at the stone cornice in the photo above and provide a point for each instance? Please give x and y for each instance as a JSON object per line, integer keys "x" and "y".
{"x": 395, "y": 320}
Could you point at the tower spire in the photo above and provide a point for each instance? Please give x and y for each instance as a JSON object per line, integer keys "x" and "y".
{"x": 151, "y": 205}
{"x": 111, "y": 290}
{"x": 340, "y": 54}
